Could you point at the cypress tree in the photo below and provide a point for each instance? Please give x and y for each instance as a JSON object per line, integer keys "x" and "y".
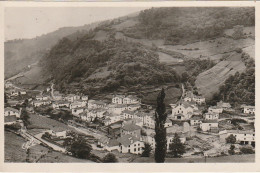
{"x": 160, "y": 130}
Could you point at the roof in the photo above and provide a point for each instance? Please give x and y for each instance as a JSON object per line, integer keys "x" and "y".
{"x": 241, "y": 131}
{"x": 11, "y": 109}
{"x": 128, "y": 112}
{"x": 98, "y": 102}
{"x": 196, "y": 118}
{"x": 120, "y": 96}
{"x": 115, "y": 126}
{"x": 215, "y": 107}
{"x": 223, "y": 104}
{"x": 210, "y": 121}
{"x": 132, "y": 97}
{"x": 120, "y": 106}
{"x": 179, "y": 115}
{"x": 113, "y": 142}
{"x": 168, "y": 121}
{"x": 76, "y": 103}
{"x": 103, "y": 139}
{"x": 61, "y": 102}
{"x": 131, "y": 127}
{"x": 133, "y": 105}
{"x": 11, "y": 118}
{"x": 249, "y": 107}
{"x": 127, "y": 140}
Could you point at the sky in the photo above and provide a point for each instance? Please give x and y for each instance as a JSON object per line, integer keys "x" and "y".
{"x": 29, "y": 22}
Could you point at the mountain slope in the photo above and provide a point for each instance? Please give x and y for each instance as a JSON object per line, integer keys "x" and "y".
{"x": 208, "y": 82}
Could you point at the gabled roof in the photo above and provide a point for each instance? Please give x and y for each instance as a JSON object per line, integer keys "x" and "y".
{"x": 131, "y": 127}
{"x": 12, "y": 109}
{"x": 127, "y": 140}
{"x": 196, "y": 118}
{"x": 210, "y": 121}
{"x": 112, "y": 143}
{"x": 11, "y": 118}
{"x": 128, "y": 112}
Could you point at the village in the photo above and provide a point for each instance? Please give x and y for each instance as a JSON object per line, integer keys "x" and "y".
{"x": 124, "y": 125}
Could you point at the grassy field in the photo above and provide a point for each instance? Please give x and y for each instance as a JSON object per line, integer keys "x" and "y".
{"x": 250, "y": 158}
{"x": 13, "y": 148}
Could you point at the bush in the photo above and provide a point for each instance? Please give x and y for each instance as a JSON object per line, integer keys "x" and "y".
{"x": 231, "y": 151}
{"x": 147, "y": 149}
{"x": 231, "y": 139}
{"x": 245, "y": 150}
{"x": 110, "y": 158}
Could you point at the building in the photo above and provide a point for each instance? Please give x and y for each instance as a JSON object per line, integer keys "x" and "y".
{"x": 182, "y": 110}
{"x": 11, "y": 111}
{"x": 114, "y": 130}
{"x": 133, "y": 107}
{"x": 112, "y": 144}
{"x": 131, "y": 129}
{"x": 215, "y": 109}
{"x": 149, "y": 121}
{"x": 128, "y": 114}
{"x": 84, "y": 98}
{"x": 195, "y": 120}
{"x": 41, "y": 97}
{"x": 117, "y": 108}
{"x": 170, "y": 138}
{"x": 118, "y": 99}
{"x": 77, "y": 105}
{"x": 38, "y": 103}
{"x": 60, "y": 104}
{"x": 243, "y": 137}
{"x": 249, "y": 109}
{"x": 112, "y": 118}
{"x": 199, "y": 99}
{"x": 131, "y": 100}
{"x": 168, "y": 123}
{"x": 211, "y": 116}
{"x": 93, "y": 104}
{"x": 77, "y": 111}
{"x": 130, "y": 144}
{"x": 57, "y": 96}
{"x": 209, "y": 125}
{"x": 72, "y": 97}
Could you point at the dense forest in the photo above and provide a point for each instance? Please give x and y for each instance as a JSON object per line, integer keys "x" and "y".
{"x": 125, "y": 64}
{"x": 239, "y": 88}
{"x": 184, "y": 25}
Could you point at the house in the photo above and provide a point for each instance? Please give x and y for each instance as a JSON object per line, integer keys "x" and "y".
{"x": 128, "y": 114}
{"x": 182, "y": 110}
{"x": 131, "y": 129}
{"x": 38, "y": 103}
{"x": 130, "y": 144}
{"x": 11, "y": 111}
{"x": 211, "y": 116}
{"x": 93, "y": 104}
{"x": 85, "y": 116}
{"x": 10, "y": 119}
{"x": 199, "y": 99}
{"x": 168, "y": 123}
{"x": 117, "y": 108}
{"x": 22, "y": 92}
{"x": 215, "y": 109}
{"x": 84, "y": 98}
{"x": 41, "y": 97}
{"x": 133, "y": 107}
{"x": 114, "y": 130}
{"x": 223, "y": 105}
{"x": 149, "y": 139}
{"x": 112, "y": 118}
{"x": 59, "y": 134}
{"x": 103, "y": 141}
{"x": 118, "y": 99}
{"x": 209, "y": 125}
{"x": 77, "y": 105}
{"x": 149, "y": 121}
{"x": 249, "y": 109}
{"x": 60, "y": 104}
{"x": 195, "y": 120}
{"x": 131, "y": 100}
{"x": 243, "y": 137}
{"x": 77, "y": 111}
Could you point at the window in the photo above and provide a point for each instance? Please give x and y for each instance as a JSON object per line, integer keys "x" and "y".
{"x": 244, "y": 134}
{"x": 129, "y": 146}
{"x": 135, "y": 149}
{"x": 138, "y": 149}
{"x": 135, "y": 145}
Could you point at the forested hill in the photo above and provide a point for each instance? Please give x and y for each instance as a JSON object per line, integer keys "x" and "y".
{"x": 184, "y": 25}
{"x": 105, "y": 65}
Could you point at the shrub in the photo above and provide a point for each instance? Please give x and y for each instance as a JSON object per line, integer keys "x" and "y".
{"x": 231, "y": 139}
{"x": 110, "y": 158}
{"x": 245, "y": 150}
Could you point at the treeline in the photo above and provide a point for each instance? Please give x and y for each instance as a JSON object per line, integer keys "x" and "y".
{"x": 181, "y": 25}
{"x": 239, "y": 88}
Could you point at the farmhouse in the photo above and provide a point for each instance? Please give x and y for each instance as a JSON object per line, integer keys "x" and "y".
{"x": 130, "y": 144}
{"x": 249, "y": 109}
{"x": 215, "y": 109}
{"x": 11, "y": 111}
{"x": 209, "y": 125}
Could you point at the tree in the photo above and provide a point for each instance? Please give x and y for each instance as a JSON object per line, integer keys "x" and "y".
{"x": 176, "y": 148}
{"x": 110, "y": 158}
{"x": 160, "y": 130}
{"x": 231, "y": 151}
{"x": 231, "y": 139}
{"x": 147, "y": 150}
{"x": 25, "y": 117}
{"x": 78, "y": 146}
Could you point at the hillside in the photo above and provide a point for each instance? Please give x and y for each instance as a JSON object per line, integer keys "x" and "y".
{"x": 21, "y": 53}
{"x": 209, "y": 81}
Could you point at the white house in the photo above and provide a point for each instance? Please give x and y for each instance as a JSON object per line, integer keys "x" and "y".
{"x": 11, "y": 111}
{"x": 149, "y": 139}
{"x": 209, "y": 125}
{"x": 211, "y": 116}
{"x": 242, "y": 136}
{"x": 38, "y": 103}
{"x": 182, "y": 110}
{"x": 195, "y": 120}
{"x": 215, "y": 109}
{"x": 60, "y": 134}
{"x": 199, "y": 99}
{"x": 131, "y": 100}
{"x": 57, "y": 96}
{"x": 93, "y": 104}
{"x": 249, "y": 109}
{"x": 117, "y": 108}
{"x": 77, "y": 104}
{"x": 59, "y": 104}
{"x": 41, "y": 97}
{"x": 112, "y": 118}
{"x": 133, "y": 107}
{"x": 128, "y": 114}
{"x": 168, "y": 123}
{"x": 118, "y": 99}
{"x": 149, "y": 121}
{"x": 130, "y": 144}
{"x": 72, "y": 97}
